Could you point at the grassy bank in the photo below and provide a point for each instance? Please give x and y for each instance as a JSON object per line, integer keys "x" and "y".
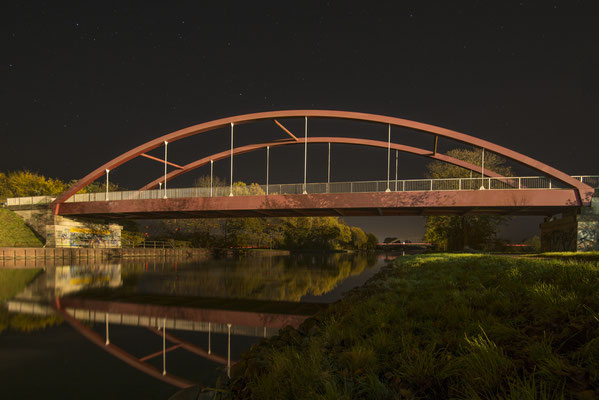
{"x": 442, "y": 326}
{"x": 14, "y": 232}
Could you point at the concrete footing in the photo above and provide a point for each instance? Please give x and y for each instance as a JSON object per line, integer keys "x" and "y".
{"x": 572, "y": 232}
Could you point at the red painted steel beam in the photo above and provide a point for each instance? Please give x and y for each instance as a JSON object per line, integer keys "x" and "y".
{"x": 159, "y": 353}
{"x": 337, "y": 140}
{"x": 119, "y": 353}
{"x": 584, "y": 191}
{"x": 192, "y": 348}
{"x": 525, "y": 202}
{"x": 160, "y": 161}
{"x": 285, "y": 129}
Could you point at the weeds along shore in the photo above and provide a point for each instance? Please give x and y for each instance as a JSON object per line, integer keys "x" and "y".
{"x": 441, "y": 326}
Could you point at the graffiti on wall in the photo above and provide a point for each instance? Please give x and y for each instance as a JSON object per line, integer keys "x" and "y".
{"x": 88, "y": 237}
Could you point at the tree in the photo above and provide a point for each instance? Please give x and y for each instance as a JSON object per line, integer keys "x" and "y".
{"x": 358, "y": 238}
{"x": 458, "y": 232}
{"x": 372, "y": 241}
{"x": 324, "y": 233}
{"x": 493, "y": 162}
{"x": 97, "y": 187}
{"x": 27, "y": 183}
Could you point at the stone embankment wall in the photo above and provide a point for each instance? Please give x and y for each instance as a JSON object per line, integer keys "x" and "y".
{"x": 44, "y": 256}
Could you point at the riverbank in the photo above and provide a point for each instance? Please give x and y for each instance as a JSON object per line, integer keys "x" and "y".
{"x": 10, "y": 256}
{"x": 441, "y": 326}
{"x": 14, "y": 231}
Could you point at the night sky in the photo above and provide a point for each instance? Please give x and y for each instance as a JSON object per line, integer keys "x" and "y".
{"x": 83, "y": 82}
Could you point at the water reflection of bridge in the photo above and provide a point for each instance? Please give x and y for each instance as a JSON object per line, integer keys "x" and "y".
{"x": 57, "y": 291}
{"x": 272, "y": 322}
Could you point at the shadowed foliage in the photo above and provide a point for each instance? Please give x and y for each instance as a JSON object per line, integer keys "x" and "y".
{"x": 459, "y": 232}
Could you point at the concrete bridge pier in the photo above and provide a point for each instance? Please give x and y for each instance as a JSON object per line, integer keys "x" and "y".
{"x": 574, "y": 231}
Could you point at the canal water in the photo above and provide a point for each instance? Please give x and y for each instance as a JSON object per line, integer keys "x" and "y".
{"x": 144, "y": 328}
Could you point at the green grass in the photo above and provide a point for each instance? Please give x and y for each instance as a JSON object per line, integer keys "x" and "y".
{"x": 571, "y": 255}
{"x": 442, "y": 326}
{"x": 12, "y": 281}
{"x": 14, "y": 232}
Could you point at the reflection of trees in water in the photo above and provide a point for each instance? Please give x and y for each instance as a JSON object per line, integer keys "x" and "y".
{"x": 263, "y": 278}
{"x": 25, "y": 322}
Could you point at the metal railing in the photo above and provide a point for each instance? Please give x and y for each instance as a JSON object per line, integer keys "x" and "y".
{"x": 406, "y": 185}
{"x": 154, "y": 244}
{"x": 27, "y": 201}
{"x": 591, "y": 180}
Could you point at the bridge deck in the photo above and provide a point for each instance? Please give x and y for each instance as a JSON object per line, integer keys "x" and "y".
{"x": 501, "y": 202}
{"x": 499, "y": 195}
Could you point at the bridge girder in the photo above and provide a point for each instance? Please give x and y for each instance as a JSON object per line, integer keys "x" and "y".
{"x": 449, "y": 202}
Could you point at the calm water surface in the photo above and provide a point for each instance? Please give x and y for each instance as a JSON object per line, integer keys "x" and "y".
{"x": 213, "y": 311}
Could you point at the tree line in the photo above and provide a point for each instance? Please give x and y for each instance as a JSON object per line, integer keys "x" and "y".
{"x": 298, "y": 233}
{"x": 305, "y": 233}
{"x": 26, "y": 183}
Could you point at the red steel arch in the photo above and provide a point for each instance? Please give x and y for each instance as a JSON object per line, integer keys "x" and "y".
{"x": 584, "y": 192}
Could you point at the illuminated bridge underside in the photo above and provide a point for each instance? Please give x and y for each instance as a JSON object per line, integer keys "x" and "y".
{"x": 450, "y": 202}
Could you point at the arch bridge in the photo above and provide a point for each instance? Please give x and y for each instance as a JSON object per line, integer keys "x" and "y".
{"x": 486, "y": 193}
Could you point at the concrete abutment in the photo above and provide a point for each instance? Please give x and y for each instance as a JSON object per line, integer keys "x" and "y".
{"x": 574, "y": 231}
{"x": 60, "y": 231}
